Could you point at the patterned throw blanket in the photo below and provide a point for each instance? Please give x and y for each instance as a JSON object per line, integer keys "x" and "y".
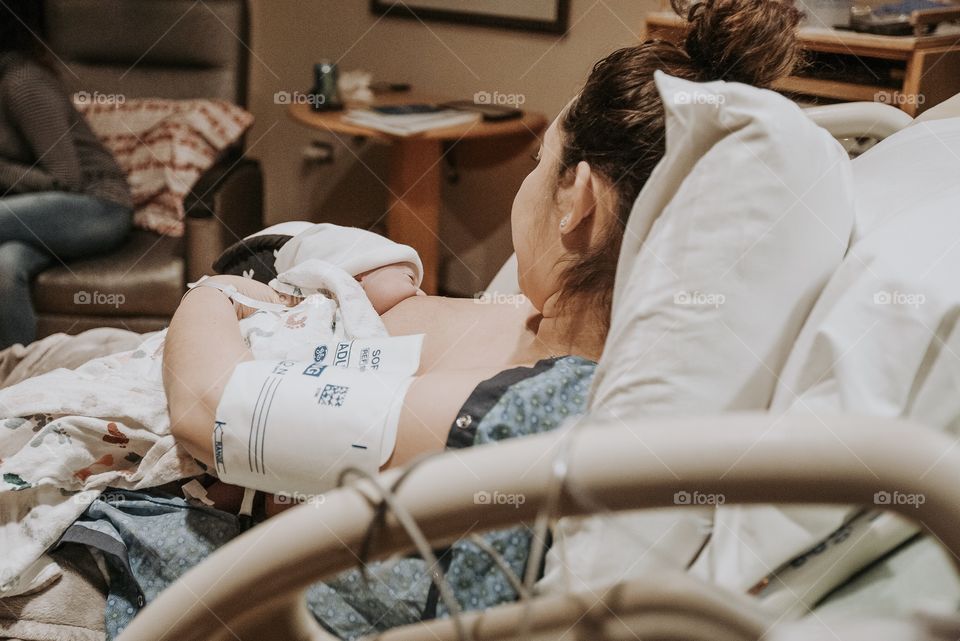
{"x": 67, "y": 435}
{"x": 164, "y": 146}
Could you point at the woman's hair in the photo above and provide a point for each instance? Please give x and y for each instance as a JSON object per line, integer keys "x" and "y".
{"x": 616, "y": 123}
{"x": 23, "y": 27}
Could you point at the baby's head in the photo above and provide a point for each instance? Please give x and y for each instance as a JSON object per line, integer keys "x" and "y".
{"x": 388, "y": 285}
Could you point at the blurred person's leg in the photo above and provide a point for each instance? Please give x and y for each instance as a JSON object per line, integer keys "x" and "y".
{"x": 19, "y": 263}
{"x": 66, "y": 225}
{"x": 38, "y": 229}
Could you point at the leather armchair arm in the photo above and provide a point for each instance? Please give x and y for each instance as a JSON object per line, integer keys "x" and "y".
{"x": 225, "y": 205}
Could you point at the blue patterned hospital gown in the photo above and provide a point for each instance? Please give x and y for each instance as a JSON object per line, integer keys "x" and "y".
{"x": 149, "y": 541}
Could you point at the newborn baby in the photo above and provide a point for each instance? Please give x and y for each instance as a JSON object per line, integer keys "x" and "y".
{"x": 336, "y": 280}
{"x": 387, "y": 271}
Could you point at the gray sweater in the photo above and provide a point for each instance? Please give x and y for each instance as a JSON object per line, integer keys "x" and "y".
{"x": 45, "y": 144}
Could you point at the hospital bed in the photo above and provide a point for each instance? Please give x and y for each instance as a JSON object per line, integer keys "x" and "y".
{"x": 217, "y": 600}
{"x": 253, "y": 587}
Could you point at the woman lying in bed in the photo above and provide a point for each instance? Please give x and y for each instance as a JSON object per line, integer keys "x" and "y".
{"x": 568, "y": 222}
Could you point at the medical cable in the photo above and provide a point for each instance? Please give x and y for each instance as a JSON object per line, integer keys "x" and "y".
{"x": 559, "y": 481}
{"x": 388, "y": 500}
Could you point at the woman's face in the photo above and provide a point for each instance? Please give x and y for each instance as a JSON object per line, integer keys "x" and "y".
{"x": 535, "y": 223}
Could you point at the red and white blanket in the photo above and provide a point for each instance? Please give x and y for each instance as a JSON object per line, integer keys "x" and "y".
{"x": 164, "y": 146}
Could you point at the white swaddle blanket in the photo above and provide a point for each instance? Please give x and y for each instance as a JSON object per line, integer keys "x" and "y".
{"x": 334, "y": 308}
{"x": 68, "y": 434}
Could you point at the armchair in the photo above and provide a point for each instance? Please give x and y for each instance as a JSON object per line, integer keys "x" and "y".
{"x": 174, "y": 49}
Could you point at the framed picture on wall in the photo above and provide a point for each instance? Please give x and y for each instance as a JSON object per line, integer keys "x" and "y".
{"x": 533, "y": 15}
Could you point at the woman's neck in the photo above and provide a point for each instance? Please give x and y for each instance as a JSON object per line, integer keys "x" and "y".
{"x": 567, "y": 329}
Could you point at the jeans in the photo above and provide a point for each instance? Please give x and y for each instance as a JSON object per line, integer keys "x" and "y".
{"x": 43, "y": 229}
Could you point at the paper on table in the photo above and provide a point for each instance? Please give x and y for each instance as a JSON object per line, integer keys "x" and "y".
{"x": 410, "y": 124}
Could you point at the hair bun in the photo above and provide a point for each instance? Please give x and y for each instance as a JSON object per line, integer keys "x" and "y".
{"x": 749, "y": 41}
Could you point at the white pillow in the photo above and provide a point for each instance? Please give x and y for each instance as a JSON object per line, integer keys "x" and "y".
{"x": 882, "y": 340}
{"x": 727, "y": 248}
{"x": 885, "y": 320}
{"x": 921, "y": 156}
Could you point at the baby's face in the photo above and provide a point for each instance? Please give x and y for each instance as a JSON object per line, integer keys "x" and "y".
{"x": 388, "y": 285}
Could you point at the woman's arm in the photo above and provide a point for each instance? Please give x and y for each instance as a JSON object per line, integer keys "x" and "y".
{"x": 203, "y": 346}
{"x": 430, "y": 409}
{"x": 37, "y": 104}
{"x": 18, "y": 178}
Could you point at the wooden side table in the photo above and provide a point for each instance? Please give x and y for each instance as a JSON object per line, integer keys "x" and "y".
{"x": 413, "y": 210}
{"x": 913, "y": 73}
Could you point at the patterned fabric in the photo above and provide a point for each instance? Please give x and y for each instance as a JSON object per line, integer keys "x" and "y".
{"x": 164, "y": 146}
{"x": 68, "y": 434}
{"x": 538, "y": 404}
{"x": 130, "y": 528}
{"x": 163, "y": 538}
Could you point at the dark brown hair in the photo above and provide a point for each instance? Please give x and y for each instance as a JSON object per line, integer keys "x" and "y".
{"x": 616, "y": 123}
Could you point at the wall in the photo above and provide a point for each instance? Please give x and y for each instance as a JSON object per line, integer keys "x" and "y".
{"x": 436, "y": 58}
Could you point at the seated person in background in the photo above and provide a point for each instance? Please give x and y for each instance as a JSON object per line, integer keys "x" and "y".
{"x": 62, "y": 195}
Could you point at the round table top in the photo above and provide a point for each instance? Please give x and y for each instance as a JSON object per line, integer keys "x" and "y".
{"x": 531, "y": 123}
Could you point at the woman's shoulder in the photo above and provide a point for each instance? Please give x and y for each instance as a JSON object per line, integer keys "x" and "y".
{"x": 423, "y": 313}
{"x": 460, "y": 333}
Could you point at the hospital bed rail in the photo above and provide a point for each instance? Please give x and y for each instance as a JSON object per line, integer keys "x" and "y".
{"x": 859, "y": 119}
{"x": 252, "y": 588}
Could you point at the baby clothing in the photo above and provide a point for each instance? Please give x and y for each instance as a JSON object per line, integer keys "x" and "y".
{"x": 338, "y": 311}
{"x": 319, "y": 263}
{"x": 353, "y": 250}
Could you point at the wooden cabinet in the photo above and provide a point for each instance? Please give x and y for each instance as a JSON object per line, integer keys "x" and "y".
{"x": 912, "y": 73}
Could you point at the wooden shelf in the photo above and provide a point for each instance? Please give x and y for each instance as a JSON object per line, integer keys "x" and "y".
{"x": 926, "y": 69}
{"x": 839, "y": 41}
{"x": 835, "y": 89}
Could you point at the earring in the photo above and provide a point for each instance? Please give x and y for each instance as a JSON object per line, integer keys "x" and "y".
{"x": 564, "y": 221}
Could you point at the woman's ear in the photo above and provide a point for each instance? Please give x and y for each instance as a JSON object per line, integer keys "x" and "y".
{"x": 582, "y": 198}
